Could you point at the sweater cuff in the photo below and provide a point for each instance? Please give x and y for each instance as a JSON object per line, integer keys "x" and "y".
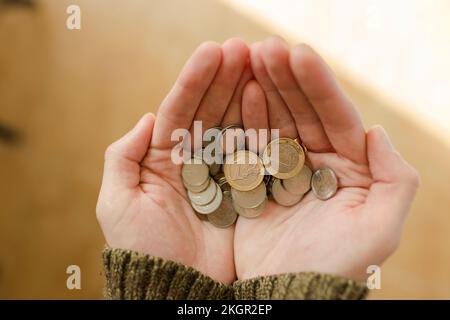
{"x": 302, "y": 286}
{"x": 131, "y": 275}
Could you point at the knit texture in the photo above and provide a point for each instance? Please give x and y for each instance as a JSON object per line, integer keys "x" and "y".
{"x": 131, "y": 275}
{"x": 300, "y": 286}
{"x": 134, "y": 276}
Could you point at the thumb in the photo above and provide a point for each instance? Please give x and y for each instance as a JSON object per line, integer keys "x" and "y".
{"x": 395, "y": 181}
{"x": 123, "y": 157}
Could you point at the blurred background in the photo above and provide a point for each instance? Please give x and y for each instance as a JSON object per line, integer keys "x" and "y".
{"x": 66, "y": 94}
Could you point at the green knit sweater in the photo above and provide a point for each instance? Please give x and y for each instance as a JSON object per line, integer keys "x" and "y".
{"x": 131, "y": 275}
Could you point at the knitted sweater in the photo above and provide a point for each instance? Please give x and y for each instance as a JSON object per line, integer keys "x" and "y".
{"x": 131, "y": 275}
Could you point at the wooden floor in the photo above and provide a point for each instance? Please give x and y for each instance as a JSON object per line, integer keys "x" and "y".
{"x": 71, "y": 93}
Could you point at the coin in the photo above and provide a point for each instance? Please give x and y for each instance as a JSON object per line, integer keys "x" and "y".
{"x": 204, "y": 197}
{"x": 249, "y": 199}
{"x": 195, "y": 172}
{"x": 210, "y": 207}
{"x": 243, "y": 170}
{"x": 300, "y": 183}
{"x": 324, "y": 183}
{"x": 251, "y": 212}
{"x": 288, "y": 162}
{"x": 225, "y": 215}
{"x": 199, "y": 188}
{"x": 219, "y": 176}
{"x": 282, "y": 196}
{"x": 233, "y": 134}
{"x": 225, "y": 186}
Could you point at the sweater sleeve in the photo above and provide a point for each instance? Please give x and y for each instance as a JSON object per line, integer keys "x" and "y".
{"x": 302, "y": 286}
{"x": 130, "y": 275}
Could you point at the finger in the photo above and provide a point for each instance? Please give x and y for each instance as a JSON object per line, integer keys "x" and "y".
{"x": 123, "y": 157}
{"x": 339, "y": 118}
{"x": 279, "y": 114}
{"x": 178, "y": 109}
{"x": 233, "y": 115}
{"x": 254, "y": 115}
{"x": 395, "y": 181}
{"x": 275, "y": 55}
{"x": 220, "y": 92}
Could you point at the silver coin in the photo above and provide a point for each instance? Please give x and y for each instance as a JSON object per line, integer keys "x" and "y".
{"x": 300, "y": 183}
{"x": 210, "y": 207}
{"x": 199, "y": 188}
{"x": 282, "y": 196}
{"x": 251, "y": 213}
{"x": 225, "y": 215}
{"x": 194, "y": 172}
{"x": 324, "y": 183}
{"x": 204, "y": 197}
{"x": 249, "y": 199}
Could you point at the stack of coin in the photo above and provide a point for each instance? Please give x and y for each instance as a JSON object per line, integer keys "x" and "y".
{"x": 244, "y": 172}
{"x": 241, "y": 185}
{"x": 203, "y": 192}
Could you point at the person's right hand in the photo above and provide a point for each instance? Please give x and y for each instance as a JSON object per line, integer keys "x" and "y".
{"x": 142, "y": 204}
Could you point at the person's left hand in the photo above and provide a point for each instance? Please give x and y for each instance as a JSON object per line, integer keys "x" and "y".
{"x": 361, "y": 225}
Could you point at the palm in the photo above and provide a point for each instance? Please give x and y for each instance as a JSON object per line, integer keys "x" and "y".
{"x": 165, "y": 220}
{"x": 309, "y": 235}
{"x": 296, "y": 93}
{"x": 143, "y": 204}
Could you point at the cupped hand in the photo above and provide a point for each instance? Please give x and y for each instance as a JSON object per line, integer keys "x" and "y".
{"x": 142, "y": 204}
{"x": 296, "y": 92}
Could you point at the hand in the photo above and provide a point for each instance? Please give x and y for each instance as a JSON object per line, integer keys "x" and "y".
{"x": 142, "y": 204}
{"x": 361, "y": 225}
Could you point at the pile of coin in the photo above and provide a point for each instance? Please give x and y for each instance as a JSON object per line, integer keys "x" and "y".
{"x": 242, "y": 185}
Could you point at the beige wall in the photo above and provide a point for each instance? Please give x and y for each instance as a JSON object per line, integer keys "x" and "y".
{"x": 71, "y": 93}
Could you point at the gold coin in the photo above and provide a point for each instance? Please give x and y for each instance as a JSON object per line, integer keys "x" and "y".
{"x": 195, "y": 172}
{"x": 300, "y": 183}
{"x": 225, "y": 215}
{"x": 251, "y": 213}
{"x": 282, "y": 196}
{"x": 243, "y": 170}
{"x": 249, "y": 199}
{"x": 324, "y": 183}
{"x": 283, "y": 158}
